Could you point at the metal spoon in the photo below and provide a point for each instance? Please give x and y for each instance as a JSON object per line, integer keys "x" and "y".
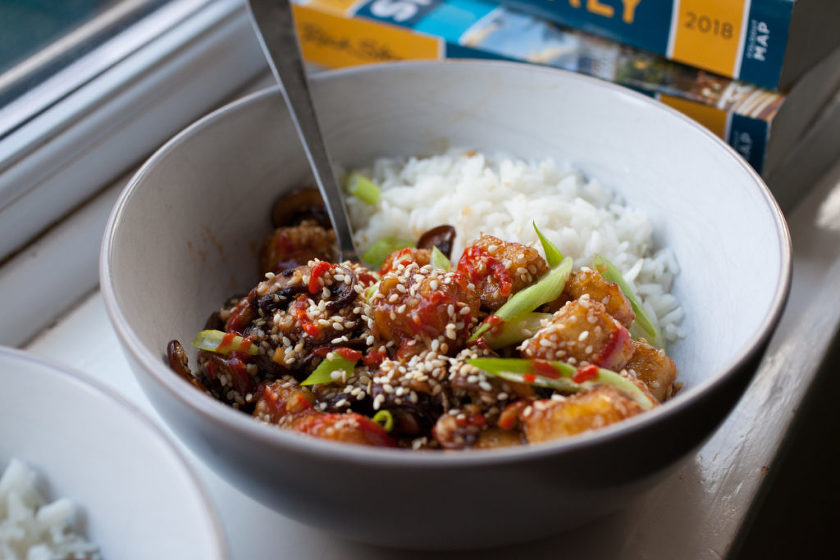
{"x": 276, "y": 31}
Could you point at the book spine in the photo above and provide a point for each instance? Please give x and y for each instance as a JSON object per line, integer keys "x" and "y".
{"x": 340, "y": 33}
{"x": 743, "y": 39}
{"x": 747, "y": 135}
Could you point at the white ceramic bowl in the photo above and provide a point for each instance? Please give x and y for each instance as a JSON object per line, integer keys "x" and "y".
{"x": 135, "y": 493}
{"x": 182, "y": 239}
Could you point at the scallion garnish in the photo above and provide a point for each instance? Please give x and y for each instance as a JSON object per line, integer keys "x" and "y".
{"x": 516, "y": 330}
{"x": 547, "y": 289}
{"x": 363, "y": 188}
{"x": 553, "y": 256}
{"x": 385, "y": 419}
{"x": 649, "y": 329}
{"x": 439, "y": 260}
{"x": 331, "y": 364}
{"x": 371, "y": 290}
{"x": 376, "y": 254}
{"x": 224, "y": 343}
{"x": 524, "y": 371}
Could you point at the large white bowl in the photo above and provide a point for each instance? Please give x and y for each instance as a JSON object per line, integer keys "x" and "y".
{"x": 137, "y": 497}
{"x": 183, "y": 236}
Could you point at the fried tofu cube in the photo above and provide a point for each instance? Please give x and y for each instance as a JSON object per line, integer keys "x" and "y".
{"x": 289, "y": 247}
{"x": 549, "y": 419}
{"x": 497, "y": 437}
{"x": 404, "y": 257}
{"x": 589, "y": 281}
{"x": 415, "y": 306}
{"x": 581, "y": 332}
{"x": 651, "y": 366}
{"x": 499, "y": 269}
{"x": 349, "y": 427}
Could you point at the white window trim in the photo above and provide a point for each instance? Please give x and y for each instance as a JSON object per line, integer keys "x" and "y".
{"x": 77, "y": 146}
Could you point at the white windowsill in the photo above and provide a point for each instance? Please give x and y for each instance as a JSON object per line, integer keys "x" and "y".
{"x": 80, "y": 144}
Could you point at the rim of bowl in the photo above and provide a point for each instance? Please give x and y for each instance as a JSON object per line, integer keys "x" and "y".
{"x": 271, "y": 435}
{"x": 79, "y": 378}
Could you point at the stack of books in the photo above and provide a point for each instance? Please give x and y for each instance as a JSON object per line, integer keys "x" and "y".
{"x": 764, "y": 75}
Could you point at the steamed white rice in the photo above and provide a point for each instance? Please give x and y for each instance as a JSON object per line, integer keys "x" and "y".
{"x": 501, "y": 196}
{"x": 31, "y": 528}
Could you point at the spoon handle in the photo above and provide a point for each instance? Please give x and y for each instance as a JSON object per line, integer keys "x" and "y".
{"x": 273, "y": 19}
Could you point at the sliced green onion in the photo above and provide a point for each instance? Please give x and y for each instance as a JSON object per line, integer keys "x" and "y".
{"x": 547, "y": 289}
{"x": 553, "y": 256}
{"x": 518, "y": 365}
{"x": 376, "y": 254}
{"x": 609, "y": 377}
{"x": 363, "y": 188}
{"x": 384, "y": 418}
{"x": 643, "y": 322}
{"x": 516, "y": 370}
{"x": 371, "y": 291}
{"x": 323, "y": 373}
{"x": 516, "y": 330}
{"x": 223, "y": 343}
{"x": 439, "y": 260}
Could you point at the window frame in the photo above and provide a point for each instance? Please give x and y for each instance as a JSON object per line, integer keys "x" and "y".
{"x": 76, "y": 146}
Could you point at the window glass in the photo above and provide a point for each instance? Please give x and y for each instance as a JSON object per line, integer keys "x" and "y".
{"x": 39, "y": 38}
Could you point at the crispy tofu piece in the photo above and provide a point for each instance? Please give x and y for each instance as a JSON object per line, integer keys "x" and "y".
{"x": 499, "y": 269}
{"x": 415, "y": 306}
{"x": 656, "y": 370}
{"x": 549, "y": 419}
{"x": 289, "y": 247}
{"x": 582, "y": 332}
{"x": 289, "y": 405}
{"x": 461, "y": 428}
{"x": 497, "y": 437}
{"x": 406, "y": 256}
{"x": 282, "y": 402}
{"x": 589, "y": 281}
{"x": 349, "y": 427}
